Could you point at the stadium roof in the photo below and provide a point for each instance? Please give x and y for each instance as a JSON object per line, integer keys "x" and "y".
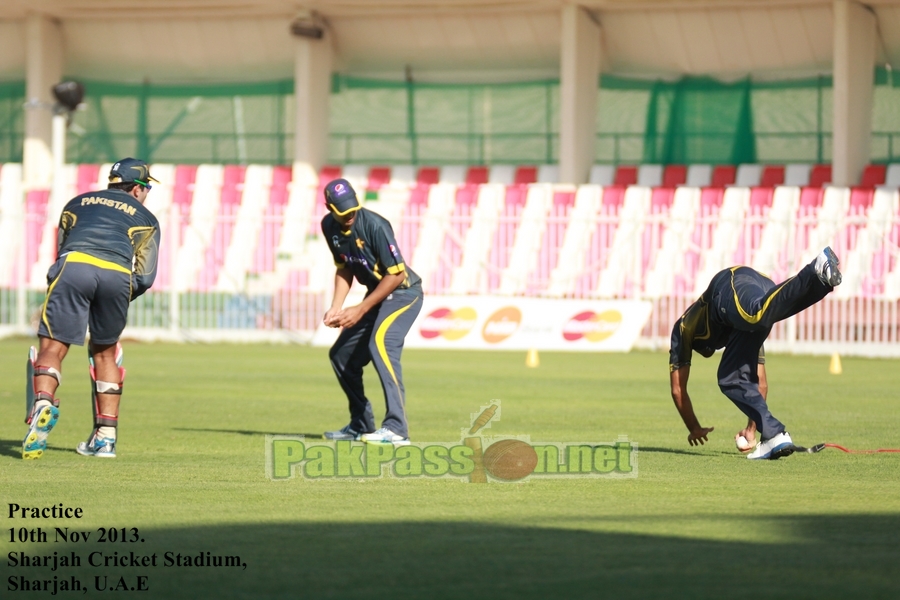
{"x": 439, "y": 40}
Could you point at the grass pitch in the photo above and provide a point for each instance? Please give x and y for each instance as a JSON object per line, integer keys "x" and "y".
{"x": 696, "y": 522}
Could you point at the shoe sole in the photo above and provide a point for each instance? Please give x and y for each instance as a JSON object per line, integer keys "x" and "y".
{"x": 396, "y": 443}
{"x": 836, "y": 277}
{"x": 777, "y": 452}
{"x": 35, "y": 441}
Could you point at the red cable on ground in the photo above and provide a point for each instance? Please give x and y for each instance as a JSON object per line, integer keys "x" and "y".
{"x": 848, "y": 451}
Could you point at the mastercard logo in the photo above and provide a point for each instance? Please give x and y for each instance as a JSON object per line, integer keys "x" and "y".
{"x": 592, "y": 326}
{"x": 502, "y": 324}
{"x": 449, "y": 324}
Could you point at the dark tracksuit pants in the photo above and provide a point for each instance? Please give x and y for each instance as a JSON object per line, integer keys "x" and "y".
{"x": 378, "y": 337}
{"x": 751, "y": 304}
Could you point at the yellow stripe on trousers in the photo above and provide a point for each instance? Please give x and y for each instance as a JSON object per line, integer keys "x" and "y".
{"x": 379, "y": 339}
{"x": 753, "y": 319}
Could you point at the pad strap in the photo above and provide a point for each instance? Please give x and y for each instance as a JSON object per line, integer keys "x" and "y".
{"x": 106, "y": 420}
{"x": 108, "y": 387}
{"x": 48, "y": 371}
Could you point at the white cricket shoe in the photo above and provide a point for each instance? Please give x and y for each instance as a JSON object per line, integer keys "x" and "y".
{"x": 385, "y": 436}
{"x": 827, "y": 267}
{"x": 347, "y": 433}
{"x": 773, "y": 448}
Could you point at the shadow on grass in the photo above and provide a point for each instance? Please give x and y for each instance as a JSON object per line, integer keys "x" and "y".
{"x": 314, "y": 436}
{"x": 12, "y": 448}
{"x": 825, "y": 557}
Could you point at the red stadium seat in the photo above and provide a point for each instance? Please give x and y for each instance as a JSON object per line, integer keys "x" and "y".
{"x": 820, "y": 175}
{"x": 378, "y": 178}
{"x": 723, "y": 175}
{"x": 525, "y": 175}
{"x": 428, "y": 175}
{"x": 772, "y": 175}
{"x": 674, "y": 175}
{"x": 477, "y": 175}
{"x": 328, "y": 173}
{"x": 626, "y": 175}
{"x": 872, "y": 176}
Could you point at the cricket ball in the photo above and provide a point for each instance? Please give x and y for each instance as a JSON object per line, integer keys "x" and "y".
{"x": 510, "y": 459}
{"x": 742, "y": 444}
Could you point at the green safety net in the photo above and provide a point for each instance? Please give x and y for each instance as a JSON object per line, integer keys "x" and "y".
{"x": 689, "y": 120}
{"x": 12, "y": 120}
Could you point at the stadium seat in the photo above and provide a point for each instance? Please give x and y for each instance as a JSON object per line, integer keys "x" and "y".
{"x": 328, "y": 173}
{"x": 772, "y": 175}
{"x": 626, "y": 175}
{"x": 455, "y": 174}
{"x": 606, "y": 175}
{"x": 820, "y": 175}
{"x": 403, "y": 176}
{"x": 526, "y": 174}
{"x": 548, "y": 174}
{"x": 503, "y": 174}
{"x": 650, "y": 175}
{"x": 698, "y": 175}
{"x": 378, "y": 178}
{"x": 873, "y": 176}
{"x": 797, "y": 174}
{"x": 476, "y": 175}
{"x": 723, "y": 175}
{"x": 674, "y": 175}
{"x": 428, "y": 175}
{"x": 748, "y": 175}
{"x": 892, "y": 176}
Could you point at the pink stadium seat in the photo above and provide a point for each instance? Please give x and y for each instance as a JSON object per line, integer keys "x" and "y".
{"x": 270, "y": 232}
{"x": 662, "y": 199}
{"x": 723, "y": 175}
{"x": 183, "y": 193}
{"x": 820, "y": 175}
{"x": 498, "y": 258}
{"x": 761, "y": 197}
{"x": 772, "y": 175}
{"x": 861, "y": 199}
{"x": 711, "y": 197}
{"x": 525, "y": 174}
{"x": 36, "y": 202}
{"x": 428, "y": 175}
{"x": 674, "y": 175}
{"x": 232, "y": 184}
{"x": 811, "y": 197}
{"x": 87, "y": 178}
{"x": 477, "y": 175}
{"x": 872, "y": 176}
{"x": 378, "y": 178}
{"x": 613, "y": 196}
{"x": 626, "y": 175}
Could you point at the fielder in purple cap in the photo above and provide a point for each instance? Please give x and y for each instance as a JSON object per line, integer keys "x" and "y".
{"x": 363, "y": 246}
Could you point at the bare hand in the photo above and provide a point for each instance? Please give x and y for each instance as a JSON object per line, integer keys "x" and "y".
{"x": 749, "y": 434}
{"x": 350, "y": 316}
{"x": 697, "y": 437}
{"x": 330, "y": 318}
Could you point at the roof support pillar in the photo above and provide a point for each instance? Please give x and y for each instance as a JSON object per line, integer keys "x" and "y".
{"x": 854, "y": 67}
{"x": 579, "y": 82}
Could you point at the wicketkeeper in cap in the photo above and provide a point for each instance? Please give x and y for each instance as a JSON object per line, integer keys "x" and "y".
{"x": 363, "y": 246}
{"x": 107, "y": 247}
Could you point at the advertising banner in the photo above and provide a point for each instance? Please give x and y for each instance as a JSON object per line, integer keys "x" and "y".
{"x": 505, "y": 323}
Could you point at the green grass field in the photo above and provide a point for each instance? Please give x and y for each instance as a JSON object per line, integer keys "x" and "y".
{"x": 695, "y": 523}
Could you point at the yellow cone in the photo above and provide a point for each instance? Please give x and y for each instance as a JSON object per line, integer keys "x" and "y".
{"x": 835, "y": 367}
{"x": 532, "y": 360}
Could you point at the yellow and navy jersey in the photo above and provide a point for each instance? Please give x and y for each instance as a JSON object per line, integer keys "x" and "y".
{"x": 112, "y": 225}
{"x": 699, "y": 328}
{"x": 368, "y": 249}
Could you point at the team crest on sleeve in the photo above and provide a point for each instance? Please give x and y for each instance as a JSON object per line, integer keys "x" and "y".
{"x": 335, "y": 241}
{"x": 393, "y": 250}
